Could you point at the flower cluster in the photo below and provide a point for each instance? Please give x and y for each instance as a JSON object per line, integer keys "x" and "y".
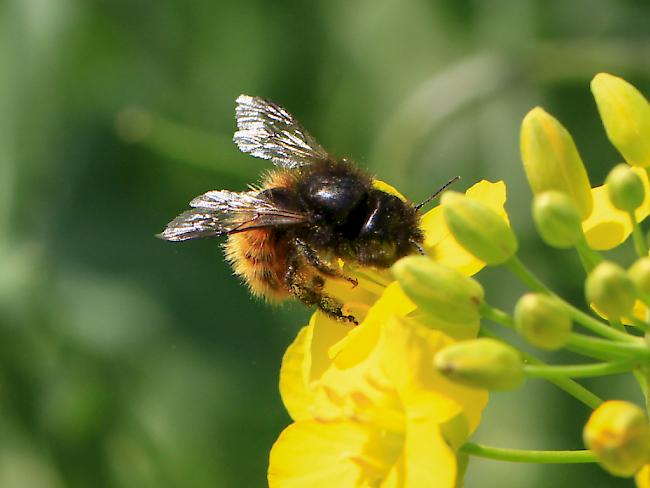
{"x": 393, "y": 401}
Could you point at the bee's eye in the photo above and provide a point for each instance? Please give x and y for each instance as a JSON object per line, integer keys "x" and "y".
{"x": 384, "y": 216}
{"x": 334, "y": 196}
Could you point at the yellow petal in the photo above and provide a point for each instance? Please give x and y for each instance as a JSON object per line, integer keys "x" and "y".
{"x": 294, "y": 390}
{"x": 429, "y": 460}
{"x": 407, "y": 349}
{"x": 385, "y": 187}
{"x": 361, "y": 340}
{"x": 607, "y": 227}
{"x": 642, "y": 478}
{"x": 439, "y": 242}
{"x": 326, "y": 333}
{"x": 318, "y": 455}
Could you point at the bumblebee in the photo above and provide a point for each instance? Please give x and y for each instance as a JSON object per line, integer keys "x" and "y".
{"x": 286, "y": 236}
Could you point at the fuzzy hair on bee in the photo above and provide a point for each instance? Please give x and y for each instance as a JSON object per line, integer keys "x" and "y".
{"x": 285, "y": 236}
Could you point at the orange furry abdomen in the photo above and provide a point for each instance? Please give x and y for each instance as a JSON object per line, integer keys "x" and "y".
{"x": 259, "y": 257}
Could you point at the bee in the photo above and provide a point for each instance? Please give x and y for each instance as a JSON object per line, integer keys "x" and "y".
{"x": 286, "y": 236}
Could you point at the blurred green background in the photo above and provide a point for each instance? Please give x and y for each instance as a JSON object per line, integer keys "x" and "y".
{"x": 126, "y": 361}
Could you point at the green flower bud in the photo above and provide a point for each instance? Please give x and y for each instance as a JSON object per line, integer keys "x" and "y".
{"x": 551, "y": 160}
{"x": 439, "y": 291}
{"x": 479, "y": 229}
{"x": 557, "y": 219}
{"x": 626, "y": 116}
{"x": 542, "y": 321}
{"x": 610, "y": 289}
{"x": 625, "y": 188}
{"x": 639, "y": 273}
{"x": 618, "y": 434}
{"x": 481, "y": 363}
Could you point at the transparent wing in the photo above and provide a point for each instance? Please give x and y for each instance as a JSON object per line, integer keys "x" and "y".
{"x": 222, "y": 212}
{"x": 268, "y": 131}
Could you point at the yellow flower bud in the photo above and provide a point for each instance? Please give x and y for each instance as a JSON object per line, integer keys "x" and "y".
{"x": 542, "y": 321}
{"x": 610, "y": 289}
{"x": 626, "y": 116}
{"x": 478, "y": 229}
{"x": 552, "y": 161}
{"x": 639, "y": 273}
{"x": 625, "y": 188}
{"x": 618, "y": 434}
{"x": 557, "y": 219}
{"x": 481, "y": 363}
{"x": 438, "y": 290}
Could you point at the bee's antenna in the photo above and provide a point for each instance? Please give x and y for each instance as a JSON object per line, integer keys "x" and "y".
{"x": 438, "y": 192}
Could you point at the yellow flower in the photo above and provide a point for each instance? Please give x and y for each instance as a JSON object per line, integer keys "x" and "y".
{"x": 369, "y": 409}
{"x": 607, "y": 227}
{"x": 389, "y": 420}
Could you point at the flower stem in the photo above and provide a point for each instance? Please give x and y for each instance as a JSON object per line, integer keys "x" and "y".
{"x": 587, "y": 346}
{"x": 580, "y": 370}
{"x": 588, "y": 256}
{"x": 518, "y": 268}
{"x": 640, "y": 244}
{"x": 616, "y": 324}
{"x": 525, "y": 456}
{"x": 576, "y": 390}
{"x": 603, "y": 348}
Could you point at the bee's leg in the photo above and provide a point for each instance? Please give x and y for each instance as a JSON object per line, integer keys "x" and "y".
{"x": 314, "y": 260}
{"x": 310, "y": 292}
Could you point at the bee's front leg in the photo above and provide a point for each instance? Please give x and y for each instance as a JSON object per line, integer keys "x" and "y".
{"x": 312, "y": 257}
{"x": 309, "y": 290}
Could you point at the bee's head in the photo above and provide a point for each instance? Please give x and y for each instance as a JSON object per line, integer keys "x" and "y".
{"x": 388, "y": 232}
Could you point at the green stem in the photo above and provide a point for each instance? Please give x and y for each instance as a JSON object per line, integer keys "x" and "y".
{"x": 518, "y": 268}
{"x": 604, "y": 348}
{"x": 525, "y": 456}
{"x": 596, "y": 325}
{"x": 588, "y": 256}
{"x": 580, "y": 370}
{"x": 496, "y": 315}
{"x": 616, "y": 324}
{"x": 640, "y": 244}
{"x": 576, "y": 390}
{"x": 587, "y": 346}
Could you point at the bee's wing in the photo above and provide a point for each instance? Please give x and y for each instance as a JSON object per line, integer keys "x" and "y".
{"x": 268, "y": 131}
{"x": 222, "y": 212}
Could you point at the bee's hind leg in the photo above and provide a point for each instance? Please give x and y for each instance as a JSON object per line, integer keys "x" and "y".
{"x": 310, "y": 292}
{"x": 312, "y": 257}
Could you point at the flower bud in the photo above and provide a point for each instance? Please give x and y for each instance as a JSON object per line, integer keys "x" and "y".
{"x": 618, "y": 434}
{"x": 639, "y": 273}
{"x": 610, "y": 289}
{"x": 557, "y": 219}
{"x": 439, "y": 291}
{"x": 626, "y": 116}
{"x": 551, "y": 160}
{"x": 542, "y": 321}
{"x": 477, "y": 228}
{"x": 625, "y": 188}
{"x": 481, "y": 363}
